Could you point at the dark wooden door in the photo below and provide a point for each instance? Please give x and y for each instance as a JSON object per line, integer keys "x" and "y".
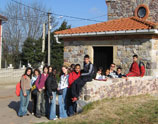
{"x": 103, "y": 57}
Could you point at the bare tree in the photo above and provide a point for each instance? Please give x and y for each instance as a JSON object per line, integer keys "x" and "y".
{"x": 23, "y": 22}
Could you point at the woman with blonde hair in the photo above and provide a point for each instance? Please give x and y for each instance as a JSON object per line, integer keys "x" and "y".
{"x": 62, "y": 92}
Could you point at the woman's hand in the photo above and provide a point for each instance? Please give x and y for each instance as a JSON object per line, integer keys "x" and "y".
{"x": 44, "y": 88}
{"x": 58, "y": 89}
{"x": 25, "y": 94}
{"x": 40, "y": 90}
{"x": 51, "y": 97}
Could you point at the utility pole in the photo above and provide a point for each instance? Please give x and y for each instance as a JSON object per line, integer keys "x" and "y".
{"x": 43, "y": 38}
{"x": 43, "y": 42}
{"x": 0, "y": 44}
{"x": 49, "y": 28}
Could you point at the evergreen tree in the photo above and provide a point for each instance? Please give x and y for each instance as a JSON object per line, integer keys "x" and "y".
{"x": 32, "y": 52}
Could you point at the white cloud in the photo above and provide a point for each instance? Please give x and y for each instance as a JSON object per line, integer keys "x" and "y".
{"x": 95, "y": 11}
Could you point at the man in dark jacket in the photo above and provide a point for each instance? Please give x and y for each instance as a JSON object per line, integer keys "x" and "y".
{"x": 86, "y": 75}
{"x": 51, "y": 88}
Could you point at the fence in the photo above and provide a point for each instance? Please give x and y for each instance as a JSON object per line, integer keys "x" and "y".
{"x": 9, "y": 76}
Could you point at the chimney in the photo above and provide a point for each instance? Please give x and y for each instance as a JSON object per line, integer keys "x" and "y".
{"x": 111, "y": 4}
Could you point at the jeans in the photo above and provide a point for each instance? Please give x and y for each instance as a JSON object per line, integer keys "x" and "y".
{"x": 24, "y": 102}
{"x": 52, "y": 114}
{"x": 71, "y": 106}
{"x": 62, "y": 100}
{"x": 41, "y": 108}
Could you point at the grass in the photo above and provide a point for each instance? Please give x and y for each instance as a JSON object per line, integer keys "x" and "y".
{"x": 128, "y": 110}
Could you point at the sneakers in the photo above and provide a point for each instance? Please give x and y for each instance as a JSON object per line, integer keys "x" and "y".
{"x": 55, "y": 119}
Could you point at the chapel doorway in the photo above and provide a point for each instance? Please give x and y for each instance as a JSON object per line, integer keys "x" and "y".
{"x": 103, "y": 57}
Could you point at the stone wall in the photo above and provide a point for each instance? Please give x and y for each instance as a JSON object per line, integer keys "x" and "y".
{"x": 144, "y": 48}
{"x": 123, "y": 51}
{"x": 97, "y": 90}
{"x": 125, "y": 8}
{"x": 74, "y": 53}
{"x": 9, "y": 76}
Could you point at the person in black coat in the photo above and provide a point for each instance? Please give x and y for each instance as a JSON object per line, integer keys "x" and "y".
{"x": 51, "y": 88}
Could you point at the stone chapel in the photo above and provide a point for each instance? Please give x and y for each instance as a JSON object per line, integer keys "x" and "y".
{"x": 132, "y": 28}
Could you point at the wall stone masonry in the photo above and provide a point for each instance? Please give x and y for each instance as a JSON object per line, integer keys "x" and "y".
{"x": 123, "y": 50}
{"x": 125, "y": 8}
{"x": 97, "y": 90}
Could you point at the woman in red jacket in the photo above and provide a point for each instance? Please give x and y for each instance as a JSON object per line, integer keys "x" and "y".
{"x": 72, "y": 77}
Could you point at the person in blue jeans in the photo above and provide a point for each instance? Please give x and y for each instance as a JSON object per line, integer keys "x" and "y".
{"x": 25, "y": 92}
{"x": 51, "y": 88}
{"x": 62, "y": 99}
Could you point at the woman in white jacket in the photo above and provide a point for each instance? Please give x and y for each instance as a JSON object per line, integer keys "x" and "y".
{"x": 62, "y": 89}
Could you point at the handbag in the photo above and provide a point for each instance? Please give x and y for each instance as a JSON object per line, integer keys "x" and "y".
{"x": 60, "y": 92}
{"x": 34, "y": 88}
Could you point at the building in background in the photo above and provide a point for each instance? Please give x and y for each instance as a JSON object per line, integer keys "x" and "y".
{"x": 132, "y": 29}
{"x": 2, "y": 18}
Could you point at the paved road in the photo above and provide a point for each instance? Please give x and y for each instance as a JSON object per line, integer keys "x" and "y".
{"x": 9, "y": 105}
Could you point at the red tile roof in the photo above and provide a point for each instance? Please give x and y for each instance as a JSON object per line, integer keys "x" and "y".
{"x": 123, "y": 24}
{"x": 3, "y": 18}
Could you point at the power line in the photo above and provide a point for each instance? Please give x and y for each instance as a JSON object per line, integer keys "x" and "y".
{"x": 21, "y": 19}
{"x": 79, "y": 18}
{"x": 92, "y": 18}
{"x": 13, "y": 17}
{"x": 99, "y": 16}
{"x": 67, "y": 16}
{"x": 29, "y": 6}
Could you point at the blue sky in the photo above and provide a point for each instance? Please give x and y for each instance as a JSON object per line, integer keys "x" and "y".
{"x": 79, "y": 8}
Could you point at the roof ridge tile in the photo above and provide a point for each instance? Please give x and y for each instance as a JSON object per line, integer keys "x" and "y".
{"x": 151, "y": 24}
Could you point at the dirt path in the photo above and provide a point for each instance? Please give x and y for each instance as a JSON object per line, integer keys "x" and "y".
{"x": 9, "y": 105}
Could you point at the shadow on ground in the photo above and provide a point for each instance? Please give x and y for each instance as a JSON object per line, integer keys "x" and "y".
{"x": 15, "y": 106}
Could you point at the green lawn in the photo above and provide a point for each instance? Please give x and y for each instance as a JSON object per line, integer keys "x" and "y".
{"x": 132, "y": 110}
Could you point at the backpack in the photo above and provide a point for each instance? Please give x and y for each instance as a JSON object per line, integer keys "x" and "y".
{"x": 18, "y": 87}
{"x": 142, "y": 68}
{"x": 34, "y": 89}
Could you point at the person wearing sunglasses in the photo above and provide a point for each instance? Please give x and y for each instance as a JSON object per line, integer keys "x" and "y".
{"x": 112, "y": 71}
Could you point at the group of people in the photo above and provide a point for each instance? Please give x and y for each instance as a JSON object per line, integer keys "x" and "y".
{"x": 68, "y": 89}
{"x": 137, "y": 69}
